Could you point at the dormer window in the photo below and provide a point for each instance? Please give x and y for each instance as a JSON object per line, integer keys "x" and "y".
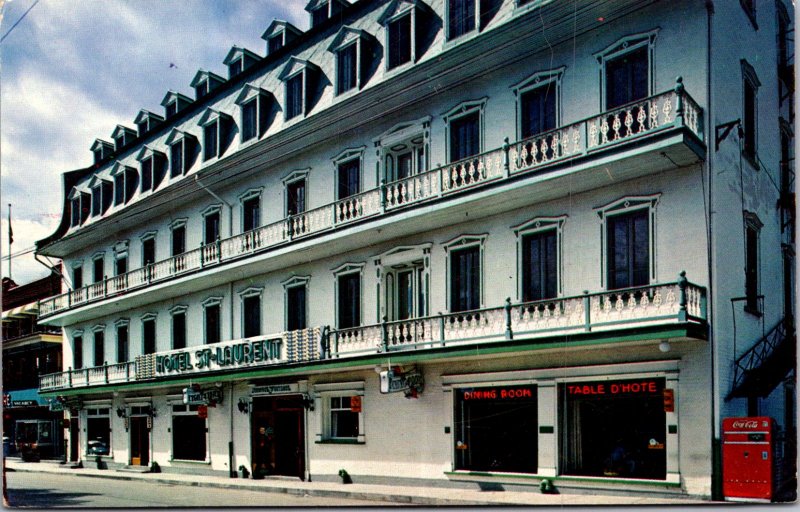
{"x": 147, "y": 121}
{"x": 182, "y": 152}
{"x": 102, "y": 150}
{"x": 300, "y": 79}
{"x": 126, "y": 180}
{"x": 153, "y": 168}
{"x": 204, "y": 82}
{"x": 216, "y": 133}
{"x": 350, "y": 47}
{"x": 322, "y": 10}
{"x": 102, "y": 192}
{"x": 175, "y": 102}
{"x": 402, "y": 21}
{"x": 122, "y": 136}
{"x": 80, "y": 204}
{"x": 255, "y": 104}
{"x": 238, "y": 60}
{"x": 279, "y": 34}
{"x": 465, "y": 16}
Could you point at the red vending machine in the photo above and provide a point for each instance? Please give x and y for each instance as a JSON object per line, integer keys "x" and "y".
{"x": 747, "y": 459}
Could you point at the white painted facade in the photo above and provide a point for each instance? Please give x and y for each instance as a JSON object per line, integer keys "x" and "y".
{"x": 694, "y": 196}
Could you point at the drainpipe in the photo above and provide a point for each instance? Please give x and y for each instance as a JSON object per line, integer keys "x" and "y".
{"x": 226, "y": 203}
{"x": 716, "y": 449}
{"x": 231, "y": 465}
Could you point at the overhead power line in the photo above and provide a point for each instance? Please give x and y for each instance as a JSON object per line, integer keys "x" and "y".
{"x": 18, "y": 21}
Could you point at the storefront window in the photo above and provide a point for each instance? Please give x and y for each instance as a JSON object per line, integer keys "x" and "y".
{"x": 188, "y": 433}
{"x": 344, "y": 417}
{"x": 614, "y": 428}
{"x": 497, "y": 429}
{"x": 98, "y": 431}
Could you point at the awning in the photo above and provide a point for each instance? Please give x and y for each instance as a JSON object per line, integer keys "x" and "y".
{"x": 31, "y": 309}
{"x": 23, "y": 398}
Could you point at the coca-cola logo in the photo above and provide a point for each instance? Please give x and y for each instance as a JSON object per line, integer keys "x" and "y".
{"x": 745, "y": 424}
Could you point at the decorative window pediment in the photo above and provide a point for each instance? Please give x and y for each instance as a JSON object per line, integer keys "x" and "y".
{"x": 204, "y": 82}
{"x": 403, "y": 131}
{"x": 148, "y": 152}
{"x": 97, "y": 181}
{"x": 252, "y": 91}
{"x": 626, "y": 44}
{"x": 76, "y": 192}
{"x": 322, "y": 10}
{"x": 628, "y": 203}
{"x": 178, "y": 309}
{"x": 212, "y": 301}
{"x": 349, "y": 154}
{"x": 251, "y": 291}
{"x": 539, "y": 223}
{"x": 149, "y": 316}
{"x": 295, "y": 66}
{"x": 119, "y": 168}
{"x": 403, "y": 254}
{"x": 279, "y": 34}
{"x": 123, "y": 134}
{"x": 399, "y": 8}
{"x": 296, "y": 281}
{"x": 464, "y": 241}
{"x": 210, "y": 115}
{"x": 299, "y": 174}
{"x": 346, "y": 36}
{"x": 175, "y": 102}
{"x": 148, "y": 235}
{"x": 146, "y": 121}
{"x": 465, "y": 108}
{"x": 348, "y": 268}
{"x": 239, "y": 59}
{"x": 122, "y": 322}
{"x": 210, "y": 210}
{"x": 101, "y": 149}
{"x": 177, "y": 136}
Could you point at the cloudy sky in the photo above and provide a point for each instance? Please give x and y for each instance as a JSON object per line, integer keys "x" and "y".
{"x": 72, "y": 70}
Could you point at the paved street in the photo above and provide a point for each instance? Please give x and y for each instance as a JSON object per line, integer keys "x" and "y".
{"x": 47, "y": 490}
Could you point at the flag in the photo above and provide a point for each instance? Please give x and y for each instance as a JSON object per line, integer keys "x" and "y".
{"x": 10, "y": 231}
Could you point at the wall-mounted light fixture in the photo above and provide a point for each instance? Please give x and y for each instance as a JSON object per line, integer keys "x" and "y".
{"x": 121, "y": 412}
{"x": 243, "y": 406}
{"x": 308, "y": 403}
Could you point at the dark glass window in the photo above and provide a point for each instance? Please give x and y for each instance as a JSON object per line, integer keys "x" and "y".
{"x": 296, "y": 197}
{"x": 349, "y": 178}
{"x": 211, "y": 227}
{"x": 188, "y": 437}
{"x": 349, "y": 300}
{"x": 497, "y": 429}
{"x": 461, "y": 17}
{"x": 749, "y": 119}
{"x": 210, "y": 140}
{"x": 465, "y": 136}
{"x": 176, "y": 159}
{"x": 201, "y": 89}
{"x": 149, "y": 336}
{"x": 86, "y": 205}
{"x": 399, "y": 41}
{"x": 538, "y": 110}
{"x": 99, "y": 348}
{"x": 294, "y": 96}
{"x": 405, "y": 295}
{"x": 96, "y": 201}
{"x": 77, "y": 278}
{"x": 98, "y": 272}
{"x": 249, "y": 119}
{"x": 98, "y": 434}
{"x": 319, "y": 15}
{"x": 119, "y": 189}
{"x": 178, "y": 240}
{"x": 274, "y": 44}
{"x": 131, "y": 182}
{"x": 347, "y": 68}
{"x": 75, "y": 209}
{"x": 295, "y": 308}
{"x": 148, "y": 251}
{"x": 142, "y": 127}
{"x": 626, "y": 78}
{"x": 236, "y": 67}
{"x": 251, "y": 214}
{"x": 539, "y": 266}
{"x": 171, "y": 109}
{"x": 213, "y": 334}
{"x": 465, "y": 279}
{"x": 121, "y": 265}
{"x": 751, "y": 268}
{"x": 77, "y": 352}
{"x": 344, "y": 421}
{"x": 251, "y": 309}
{"x": 404, "y": 165}
{"x": 147, "y": 174}
{"x": 179, "y": 330}
{"x": 628, "y": 250}
{"x": 122, "y": 343}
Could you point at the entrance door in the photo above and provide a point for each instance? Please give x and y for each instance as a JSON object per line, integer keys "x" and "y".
{"x": 140, "y": 441}
{"x": 278, "y": 437}
{"x": 74, "y": 439}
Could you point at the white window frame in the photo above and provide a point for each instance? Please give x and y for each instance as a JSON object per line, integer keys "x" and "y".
{"x": 177, "y": 310}
{"x": 322, "y": 397}
{"x": 215, "y": 300}
{"x": 150, "y": 235}
{"x": 251, "y": 291}
{"x": 98, "y": 256}
{"x": 619, "y": 48}
{"x": 344, "y": 39}
{"x": 87, "y": 413}
{"x": 463, "y": 109}
{"x": 752, "y": 222}
{"x": 397, "y": 10}
{"x": 466, "y": 241}
{"x": 209, "y": 117}
{"x": 252, "y": 193}
{"x": 178, "y": 223}
{"x": 341, "y": 271}
{"x": 250, "y": 93}
{"x": 291, "y": 179}
{"x": 535, "y": 226}
{"x": 414, "y": 258}
{"x": 750, "y": 77}
{"x": 294, "y": 67}
{"x": 540, "y": 79}
{"x": 404, "y": 133}
{"x": 211, "y": 210}
{"x": 75, "y": 265}
{"x": 179, "y": 137}
{"x": 622, "y": 206}
{"x": 347, "y": 156}
{"x": 120, "y": 168}
{"x": 77, "y": 333}
{"x": 122, "y": 250}
{"x": 294, "y": 282}
{"x": 99, "y": 328}
{"x": 147, "y": 317}
{"x": 178, "y": 401}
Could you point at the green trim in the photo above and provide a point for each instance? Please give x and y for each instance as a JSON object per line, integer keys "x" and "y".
{"x": 339, "y": 441}
{"x": 601, "y": 480}
{"x": 585, "y": 339}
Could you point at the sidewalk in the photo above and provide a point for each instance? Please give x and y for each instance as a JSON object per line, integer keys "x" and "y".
{"x": 429, "y": 496}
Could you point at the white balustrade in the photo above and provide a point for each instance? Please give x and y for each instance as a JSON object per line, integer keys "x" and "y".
{"x": 413, "y": 189}
{"x": 359, "y": 340}
{"x": 472, "y": 171}
{"x": 312, "y": 221}
{"x": 357, "y": 207}
{"x": 548, "y": 147}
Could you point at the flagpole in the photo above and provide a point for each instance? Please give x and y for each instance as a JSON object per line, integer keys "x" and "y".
{"x": 9, "y": 240}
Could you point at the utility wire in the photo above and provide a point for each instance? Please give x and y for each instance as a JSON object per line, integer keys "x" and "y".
{"x": 17, "y": 254}
{"x": 18, "y": 21}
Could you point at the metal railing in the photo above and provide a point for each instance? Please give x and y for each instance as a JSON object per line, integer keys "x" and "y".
{"x": 673, "y": 109}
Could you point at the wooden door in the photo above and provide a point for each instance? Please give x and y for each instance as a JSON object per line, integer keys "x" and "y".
{"x": 278, "y": 437}
{"x": 140, "y": 441}
{"x": 74, "y": 439}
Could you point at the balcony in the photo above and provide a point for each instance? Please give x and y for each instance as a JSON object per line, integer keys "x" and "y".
{"x": 592, "y": 141}
{"x": 671, "y": 305}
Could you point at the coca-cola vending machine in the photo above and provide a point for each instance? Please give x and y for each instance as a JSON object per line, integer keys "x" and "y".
{"x": 747, "y": 459}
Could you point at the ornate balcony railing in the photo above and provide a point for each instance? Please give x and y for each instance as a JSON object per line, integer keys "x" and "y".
{"x": 658, "y": 304}
{"x": 670, "y": 110}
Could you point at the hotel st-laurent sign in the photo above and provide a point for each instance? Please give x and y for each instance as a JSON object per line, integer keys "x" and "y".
{"x": 220, "y": 356}
{"x": 408, "y": 380}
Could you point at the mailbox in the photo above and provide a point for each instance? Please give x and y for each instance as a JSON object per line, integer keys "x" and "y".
{"x": 747, "y": 459}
